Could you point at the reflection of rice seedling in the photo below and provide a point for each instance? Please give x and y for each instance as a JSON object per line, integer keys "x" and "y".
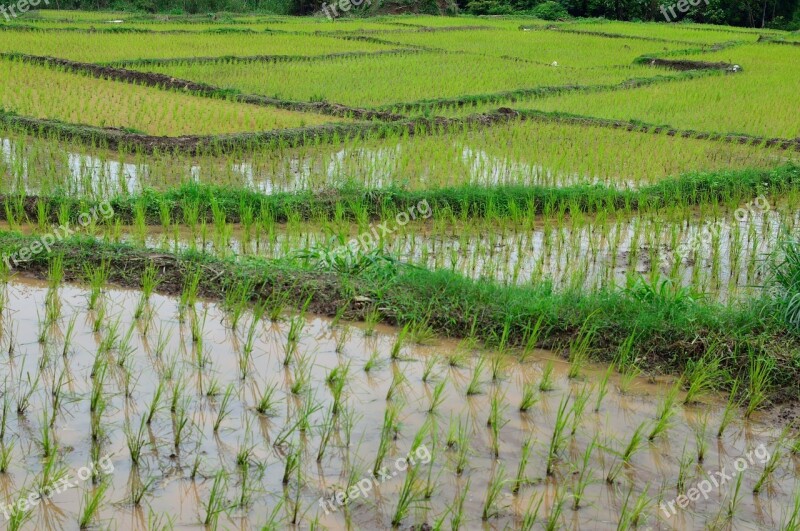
{"x": 493, "y": 491}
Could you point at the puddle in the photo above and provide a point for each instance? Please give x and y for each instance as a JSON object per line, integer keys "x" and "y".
{"x": 160, "y": 348}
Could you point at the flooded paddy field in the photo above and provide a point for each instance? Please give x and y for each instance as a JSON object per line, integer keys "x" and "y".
{"x": 188, "y": 408}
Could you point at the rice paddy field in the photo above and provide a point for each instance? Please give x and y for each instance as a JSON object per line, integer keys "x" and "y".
{"x": 418, "y": 272}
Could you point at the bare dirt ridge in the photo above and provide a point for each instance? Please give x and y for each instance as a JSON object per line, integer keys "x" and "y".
{"x": 781, "y": 143}
{"x": 115, "y": 138}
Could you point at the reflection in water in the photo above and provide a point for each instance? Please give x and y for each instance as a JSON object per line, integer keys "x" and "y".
{"x": 196, "y": 359}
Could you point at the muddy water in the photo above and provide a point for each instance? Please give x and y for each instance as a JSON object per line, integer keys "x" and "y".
{"x": 161, "y": 348}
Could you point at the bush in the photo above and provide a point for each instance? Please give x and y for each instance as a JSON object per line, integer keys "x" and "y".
{"x": 550, "y": 11}
{"x": 488, "y": 7}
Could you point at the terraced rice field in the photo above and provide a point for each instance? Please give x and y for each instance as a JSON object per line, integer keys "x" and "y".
{"x": 397, "y": 272}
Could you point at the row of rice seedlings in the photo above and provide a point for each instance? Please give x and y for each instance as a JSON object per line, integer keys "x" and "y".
{"x": 721, "y": 271}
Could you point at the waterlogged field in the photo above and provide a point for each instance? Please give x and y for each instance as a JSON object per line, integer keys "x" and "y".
{"x": 207, "y": 439}
{"x": 516, "y": 154}
{"x": 495, "y": 307}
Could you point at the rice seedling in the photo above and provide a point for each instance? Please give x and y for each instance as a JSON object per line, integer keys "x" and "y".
{"x": 665, "y": 412}
{"x": 136, "y": 442}
{"x": 409, "y": 495}
{"x": 531, "y": 514}
{"x": 602, "y": 388}
{"x": 215, "y": 505}
{"x": 546, "y": 382}
{"x": 521, "y": 477}
{"x": 759, "y": 379}
{"x": 702, "y": 376}
{"x": 684, "y": 463}
{"x": 585, "y": 475}
{"x": 493, "y": 491}
{"x": 735, "y": 497}
{"x": 701, "y": 443}
{"x": 558, "y": 439}
{"x": 437, "y": 397}
{"x": 497, "y": 420}
{"x": 556, "y": 511}
{"x": 529, "y": 397}
{"x": 475, "y": 387}
{"x": 578, "y": 407}
{"x": 731, "y": 408}
{"x": 267, "y": 401}
{"x": 769, "y": 468}
{"x": 632, "y": 517}
{"x": 429, "y": 364}
{"x": 634, "y": 445}
{"x": 90, "y": 507}
{"x": 580, "y": 349}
